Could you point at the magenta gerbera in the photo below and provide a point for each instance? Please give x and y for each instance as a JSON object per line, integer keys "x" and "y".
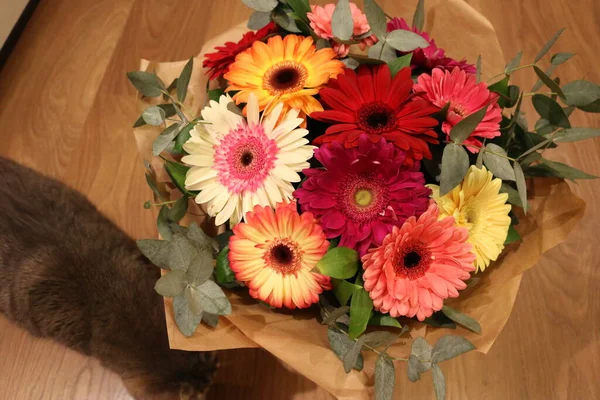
{"x": 362, "y": 192}
{"x": 425, "y": 60}
{"x": 465, "y": 96}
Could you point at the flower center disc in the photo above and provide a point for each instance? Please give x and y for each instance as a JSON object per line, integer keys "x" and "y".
{"x": 362, "y": 198}
{"x": 283, "y": 256}
{"x": 412, "y": 260}
{"x": 376, "y": 117}
{"x": 285, "y": 77}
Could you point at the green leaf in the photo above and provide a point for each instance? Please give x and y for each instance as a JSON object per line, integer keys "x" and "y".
{"x": 560, "y": 170}
{"x": 549, "y": 109}
{"x": 530, "y": 158}
{"x": 422, "y": 350}
{"x": 553, "y": 86}
{"x": 549, "y": 71}
{"x": 211, "y": 320}
{"x": 378, "y": 319}
{"x": 478, "y": 71}
{"x": 461, "y": 319}
{"x": 177, "y": 173}
{"x": 300, "y": 7}
{"x": 163, "y": 140}
{"x": 223, "y": 272}
{"x": 361, "y": 307}
{"x": 382, "y": 51}
{"x": 521, "y": 184}
{"x": 379, "y": 338}
{"x": 463, "y": 129}
{"x": 560, "y": 58}
{"x": 285, "y": 21}
{"x": 151, "y": 181}
{"x": 591, "y": 108}
{"x": 261, "y": 5}
{"x": 182, "y": 252}
{"x": 385, "y": 377}
{"x": 439, "y": 383}
{"x": 157, "y": 251}
{"x": 193, "y": 303}
{"x": 548, "y": 46}
{"x": 448, "y": 347}
{"x": 148, "y": 84}
{"x": 215, "y": 94}
{"x": 419, "y": 16}
{"x": 182, "y": 138}
{"x": 339, "y": 263}
{"x": 455, "y": 164}
{"x": 201, "y": 240}
{"x": 405, "y": 41}
{"x": 376, "y": 19}
{"x": 401, "y": 62}
{"x": 500, "y": 166}
{"x": 184, "y": 80}
{"x": 258, "y": 20}
{"x": 413, "y": 369}
{"x": 479, "y": 160}
{"x": 169, "y": 111}
{"x": 223, "y": 239}
{"x": 334, "y": 315}
{"x": 351, "y": 356}
{"x": 575, "y": 134}
{"x": 512, "y": 235}
{"x": 179, "y": 209}
{"x": 324, "y": 44}
{"x": 163, "y": 224}
{"x": 500, "y": 87}
{"x": 341, "y": 344}
{"x": 235, "y": 109}
{"x": 581, "y": 93}
{"x": 514, "y": 63}
{"x": 343, "y": 290}
{"x": 439, "y": 320}
{"x": 513, "y": 194}
{"x": 186, "y": 320}
{"x": 171, "y": 284}
{"x": 212, "y": 298}
{"x": 342, "y": 24}
{"x": 172, "y": 86}
{"x": 200, "y": 269}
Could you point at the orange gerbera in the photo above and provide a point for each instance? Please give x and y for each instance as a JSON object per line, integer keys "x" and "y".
{"x": 274, "y": 253}
{"x": 286, "y": 70}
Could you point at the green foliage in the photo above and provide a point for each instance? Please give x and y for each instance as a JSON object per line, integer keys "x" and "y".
{"x": 164, "y": 139}
{"x": 553, "y": 86}
{"x": 478, "y": 69}
{"x": 561, "y": 58}
{"x": 439, "y": 383}
{"x": 548, "y": 45}
{"x": 184, "y": 80}
{"x": 455, "y": 164}
{"x": 406, "y": 41}
{"x": 177, "y": 173}
{"x": 171, "y": 284}
{"x": 549, "y": 168}
{"x": 576, "y": 134}
{"x": 351, "y": 356}
{"x": 550, "y": 110}
{"x": 378, "y": 319}
{"x": 448, "y": 347}
{"x": 223, "y": 272}
{"x": 187, "y": 321}
{"x": 521, "y": 184}
{"x": 300, "y": 7}
{"x": 398, "y": 63}
{"x": 286, "y": 20}
{"x": 514, "y": 63}
{"x": 440, "y": 320}
{"x": 419, "y": 16}
{"x": 343, "y": 290}
{"x": 339, "y": 263}
{"x": 182, "y": 138}
{"x": 261, "y": 5}
{"x": 148, "y": 84}
{"x": 385, "y": 377}
{"x": 259, "y": 20}
{"x": 168, "y": 111}
{"x": 361, "y": 307}
{"x": 382, "y": 51}
{"x": 462, "y": 319}
{"x": 342, "y": 24}
{"x": 163, "y": 223}
{"x": 341, "y": 344}
{"x": 495, "y": 158}
{"x": 512, "y": 236}
{"x": 376, "y": 19}
{"x": 581, "y": 93}
{"x": 463, "y": 129}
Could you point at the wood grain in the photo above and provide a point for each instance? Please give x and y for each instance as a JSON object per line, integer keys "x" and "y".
{"x": 66, "y": 110}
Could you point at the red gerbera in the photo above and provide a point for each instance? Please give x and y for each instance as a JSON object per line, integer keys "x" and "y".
{"x": 371, "y": 102}
{"x": 218, "y": 62}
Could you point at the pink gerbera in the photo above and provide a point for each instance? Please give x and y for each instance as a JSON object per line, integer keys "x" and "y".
{"x": 465, "y": 97}
{"x": 425, "y": 60}
{"x": 418, "y": 266}
{"x": 362, "y": 192}
{"x": 320, "y": 21}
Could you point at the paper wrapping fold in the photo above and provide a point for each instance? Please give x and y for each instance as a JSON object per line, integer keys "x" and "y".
{"x": 297, "y": 338}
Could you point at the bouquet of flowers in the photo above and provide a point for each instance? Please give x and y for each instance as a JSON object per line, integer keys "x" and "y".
{"x": 339, "y": 168}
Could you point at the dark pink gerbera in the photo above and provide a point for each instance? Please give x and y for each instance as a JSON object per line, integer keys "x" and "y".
{"x": 425, "y": 60}
{"x": 362, "y": 192}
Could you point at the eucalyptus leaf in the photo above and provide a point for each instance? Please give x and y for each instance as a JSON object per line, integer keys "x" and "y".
{"x": 521, "y": 185}
{"x": 561, "y": 58}
{"x": 177, "y": 172}
{"x": 553, "y": 86}
{"x": 151, "y": 181}
{"x": 385, "y": 377}
{"x": 179, "y": 209}
{"x": 557, "y": 169}
{"x": 211, "y": 320}
{"x": 212, "y": 298}
{"x": 378, "y": 319}
{"x": 382, "y": 51}
{"x": 591, "y": 108}
{"x": 379, "y": 338}
{"x": 448, "y": 347}
{"x": 164, "y": 139}
{"x": 324, "y": 44}
{"x": 351, "y": 357}
{"x": 439, "y": 383}
{"x": 235, "y": 109}
{"x": 478, "y": 70}
{"x": 549, "y": 109}
{"x": 153, "y": 115}
{"x": 342, "y": 24}
{"x": 223, "y": 272}
{"x": 419, "y": 16}
{"x": 339, "y": 263}
{"x": 548, "y": 46}
{"x": 513, "y": 194}
{"x": 171, "y": 284}
{"x": 479, "y": 160}
{"x": 461, "y": 319}
{"x": 201, "y": 240}
{"x": 285, "y": 21}
{"x": 514, "y": 63}
{"x": 376, "y": 19}
{"x": 341, "y": 344}
{"x": 413, "y": 369}
{"x": 576, "y": 134}
{"x": 334, "y": 315}
{"x": 182, "y": 252}
{"x": 163, "y": 224}
{"x": 301, "y": 8}
{"x": 361, "y": 307}
{"x": 200, "y": 269}
{"x": 184, "y": 80}
{"x": 405, "y": 41}
{"x": 169, "y": 111}
{"x": 259, "y": 20}
{"x": 399, "y": 63}
{"x": 193, "y": 303}
{"x": 182, "y": 138}
{"x": 147, "y": 83}
{"x": 463, "y": 129}
{"x": 494, "y": 159}
{"x": 261, "y": 5}
{"x": 440, "y": 320}
{"x": 157, "y": 251}
{"x": 186, "y": 320}
{"x": 581, "y": 93}
{"x": 422, "y": 351}
{"x": 455, "y": 164}
{"x": 549, "y": 71}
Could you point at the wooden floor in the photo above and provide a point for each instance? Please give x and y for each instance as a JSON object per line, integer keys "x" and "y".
{"x": 66, "y": 109}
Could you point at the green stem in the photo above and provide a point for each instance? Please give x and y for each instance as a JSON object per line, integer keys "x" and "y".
{"x": 534, "y": 93}
{"x": 487, "y": 151}
{"x": 369, "y": 347}
{"x": 164, "y": 203}
{"x": 511, "y": 71}
{"x": 180, "y": 114}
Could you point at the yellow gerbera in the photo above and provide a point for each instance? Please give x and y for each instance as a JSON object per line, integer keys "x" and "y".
{"x": 478, "y": 205}
{"x": 289, "y": 71}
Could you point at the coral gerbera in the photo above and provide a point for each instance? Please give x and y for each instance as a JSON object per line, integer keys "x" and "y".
{"x": 288, "y": 70}
{"x": 426, "y": 59}
{"x": 362, "y": 192}
{"x": 477, "y": 205}
{"x": 465, "y": 96}
{"x": 418, "y": 266}
{"x": 237, "y": 164}
{"x": 274, "y": 253}
{"x": 218, "y": 62}
{"x": 371, "y": 102}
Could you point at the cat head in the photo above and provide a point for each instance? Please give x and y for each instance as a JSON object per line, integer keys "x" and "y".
{"x": 186, "y": 378}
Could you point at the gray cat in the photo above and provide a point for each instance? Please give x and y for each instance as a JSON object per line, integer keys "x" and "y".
{"x": 70, "y": 275}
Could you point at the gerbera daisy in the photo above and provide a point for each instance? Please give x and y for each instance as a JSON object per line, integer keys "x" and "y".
{"x": 218, "y": 62}
{"x": 373, "y": 103}
{"x": 418, "y": 266}
{"x": 237, "y": 164}
{"x": 478, "y": 205}
{"x": 362, "y": 192}
{"x": 288, "y": 70}
{"x": 274, "y": 253}
{"x": 320, "y": 20}
{"x": 465, "y": 96}
{"x": 425, "y": 60}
